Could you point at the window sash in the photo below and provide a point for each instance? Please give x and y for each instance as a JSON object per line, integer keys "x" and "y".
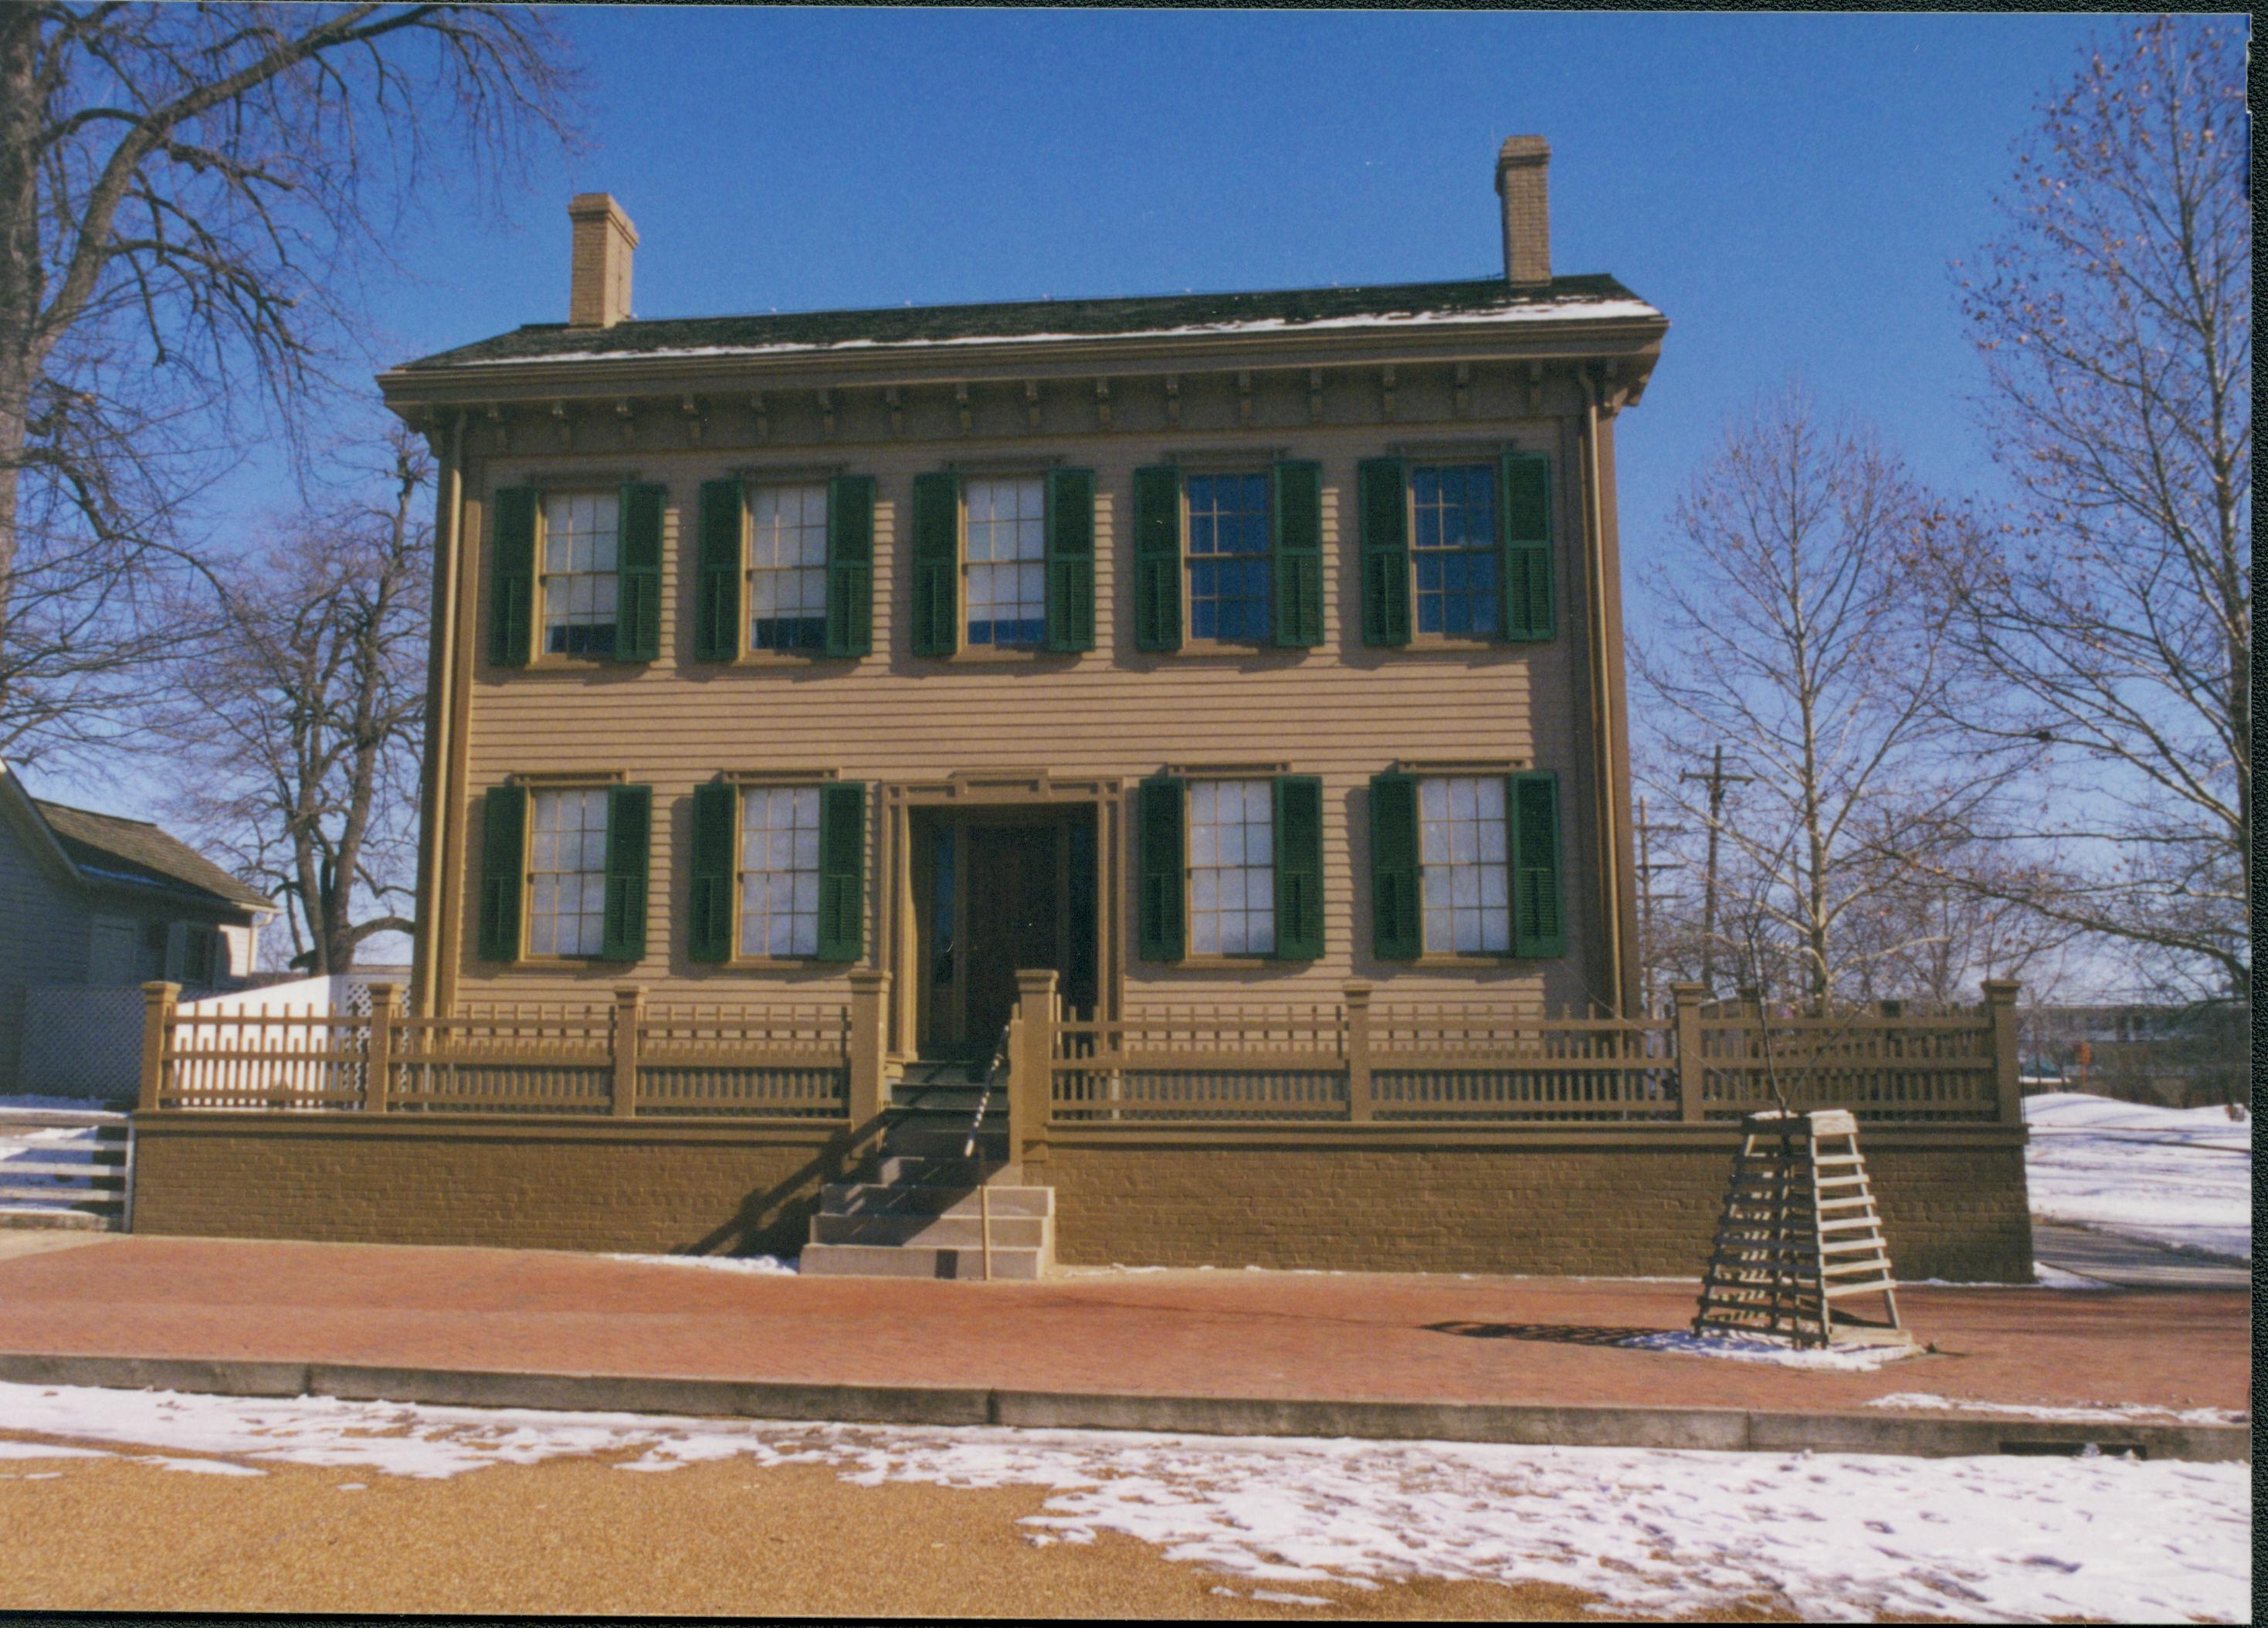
{"x": 1228, "y": 558}
{"x": 567, "y": 872}
{"x": 1004, "y": 561}
{"x": 1454, "y": 550}
{"x": 787, "y": 568}
{"x": 1464, "y": 874}
{"x": 778, "y": 872}
{"x": 582, "y": 537}
{"x": 1231, "y": 867}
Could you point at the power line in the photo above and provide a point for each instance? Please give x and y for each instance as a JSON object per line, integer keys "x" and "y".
{"x": 1718, "y": 780}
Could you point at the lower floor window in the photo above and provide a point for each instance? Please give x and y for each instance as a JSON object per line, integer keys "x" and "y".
{"x": 1468, "y": 899}
{"x": 1231, "y": 867}
{"x": 567, "y": 872}
{"x": 779, "y": 870}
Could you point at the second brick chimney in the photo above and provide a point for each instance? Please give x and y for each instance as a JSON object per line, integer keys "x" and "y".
{"x": 1521, "y": 167}
{"x": 599, "y": 280}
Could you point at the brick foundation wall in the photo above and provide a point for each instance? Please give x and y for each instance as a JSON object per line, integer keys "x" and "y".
{"x": 1642, "y": 1203}
{"x": 648, "y": 1190}
{"x": 1952, "y": 1206}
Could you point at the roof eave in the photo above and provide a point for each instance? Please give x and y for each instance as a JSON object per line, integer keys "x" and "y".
{"x": 1632, "y": 339}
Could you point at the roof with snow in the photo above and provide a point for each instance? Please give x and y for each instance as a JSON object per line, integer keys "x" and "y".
{"x": 112, "y": 848}
{"x": 1485, "y": 299}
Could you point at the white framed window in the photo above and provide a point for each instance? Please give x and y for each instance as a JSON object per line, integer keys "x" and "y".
{"x": 1231, "y": 867}
{"x": 1467, "y": 882}
{"x": 787, "y": 567}
{"x": 779, "y": 870}
{"x": 567, "y": 872}
{"x": 1453, "y": 548}
{"x": 582, "y": 532}
{"x": 1228, "y": 564}
{"x": 1005, "y": 551}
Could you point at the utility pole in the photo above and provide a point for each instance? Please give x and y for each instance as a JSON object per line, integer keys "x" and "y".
{"x": 1718, "y": 780}
{"x": 1647, "y": 866}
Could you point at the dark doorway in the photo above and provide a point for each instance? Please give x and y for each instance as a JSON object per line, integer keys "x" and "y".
{"x": 998, "y": 892}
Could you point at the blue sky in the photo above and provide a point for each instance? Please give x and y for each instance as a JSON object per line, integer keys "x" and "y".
{"x": 1789, "y": 190}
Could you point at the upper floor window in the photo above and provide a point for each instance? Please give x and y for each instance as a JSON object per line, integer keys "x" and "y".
{"x": 1228, "y": 557}
{"x": 1233, "y": 867}
{"x": 567, "y": 872}
{"x": 1005, "y": 554}
{"x": 1453, "y": 548}
{"x": 581, "y": 538}
{"x": 787, "y": 568}
{"x": 779, "y": 870}
{"x": 1467, "y": 883}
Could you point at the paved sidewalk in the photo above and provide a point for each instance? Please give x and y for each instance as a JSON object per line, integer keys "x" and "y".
{"x": 1342, "y": 1337}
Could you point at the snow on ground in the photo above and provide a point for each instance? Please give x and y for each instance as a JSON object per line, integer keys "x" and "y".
{"x": 1833, "y": 1536}
{"x": 2117, "y": 1412}
{"x": 22, "y": 1144}
{"x": 2169, "y": 1175}
{"x": 1756, "y": 1348}
{"x": 757, "y": 1265}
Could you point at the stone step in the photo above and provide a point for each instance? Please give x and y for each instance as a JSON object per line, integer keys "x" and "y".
{"x": 1021, "y": 1232}
{"x": 873, "y": 1199}
{"x": 867, "y": 1260}
{"x": 957, "y": 1097}
{"x": 904, "y": 1171}
{"x": 926, "y": 1142}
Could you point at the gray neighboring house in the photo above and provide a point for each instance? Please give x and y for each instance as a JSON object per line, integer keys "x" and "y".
{"x": 92, "y": 905}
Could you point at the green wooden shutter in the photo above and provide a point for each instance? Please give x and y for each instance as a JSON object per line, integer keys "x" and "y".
{"x": 630, "y": 832}
{"x": 638, "y": 573}
{"x": 1298, "y": 867}
{"x": 842, "y": 870}
{"x": 504, "y": 858}
{"x": 512, "y": 576}
{"x": 716, "y": 849}
{"x": 1532, "y": 804}
{"x": 850, "y": 565}
{"x": 1297, "y": 539}
{"x": 937, "y": 563}
{"x": 1527, "y": 608}
{"x": 717, "y": 581}
{"x": 1161, "y": 812}
{"x": 1071, "y": 559}
{"x": 1158, "y": 558}
{"x": 1381, "y": 485}
{"x": 1395, "y": 925}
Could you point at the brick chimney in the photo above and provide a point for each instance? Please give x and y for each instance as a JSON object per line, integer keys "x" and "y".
{"x": 598, "y": 281}
{"x": 1519, "y": 181}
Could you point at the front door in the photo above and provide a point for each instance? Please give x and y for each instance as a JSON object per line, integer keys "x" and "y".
{"x": 1013, "y": 924}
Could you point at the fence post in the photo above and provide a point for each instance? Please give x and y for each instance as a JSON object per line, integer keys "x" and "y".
{"x": 1031, "y": 1077}
{"x": 1359, "y": 1103}
{"x": 870, "y": 988}
{"x": 156, "y": 1031}
{"x": 2000, "y": 1021}
{"x": 629, "y": 1012}
{"x": 377, "y": 1055}
{"x": 1685, "y": 1011}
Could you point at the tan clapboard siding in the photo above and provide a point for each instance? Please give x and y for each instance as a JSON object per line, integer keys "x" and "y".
{"x": 1343, "y": 711}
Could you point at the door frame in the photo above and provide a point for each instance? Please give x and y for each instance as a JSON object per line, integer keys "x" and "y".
{"x": 973, "y": 792}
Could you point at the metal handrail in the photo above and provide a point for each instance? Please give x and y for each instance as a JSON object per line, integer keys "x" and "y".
{"x": 968, "y": 1151}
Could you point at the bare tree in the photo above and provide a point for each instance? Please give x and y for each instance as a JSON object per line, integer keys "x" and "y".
{"x": 186, "y": 192}
{"x": 1793, "y": 638}
{"x": 2112, "y": 625}
{"x": 301, "y": 712}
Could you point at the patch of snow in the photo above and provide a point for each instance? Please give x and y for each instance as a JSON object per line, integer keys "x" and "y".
{"x": 1739, "y": 1348}
{"x": 1828, "y": 1536}
{"x": 2106, "y": 1412}
{"x": 49, "y": 1449}
{"x": 2056, "y": 1278}
{"x": 1555, "y": 311}
{"x": 2181, "y": 1176}
{"x": 758, "y": 1266}
{"x": 200, "y": 1466}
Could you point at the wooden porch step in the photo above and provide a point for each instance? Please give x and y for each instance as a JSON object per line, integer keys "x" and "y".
{"x": 880, "y": 1199}
{"x": 1021, "y": 1232}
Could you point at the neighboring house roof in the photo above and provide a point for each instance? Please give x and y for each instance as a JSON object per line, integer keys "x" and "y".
{"x": 1488, "y": 299}
{"x": 103, "y": 848}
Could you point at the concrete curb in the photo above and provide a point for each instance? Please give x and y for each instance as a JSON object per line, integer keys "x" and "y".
{"x": 1735, "y": 1430}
